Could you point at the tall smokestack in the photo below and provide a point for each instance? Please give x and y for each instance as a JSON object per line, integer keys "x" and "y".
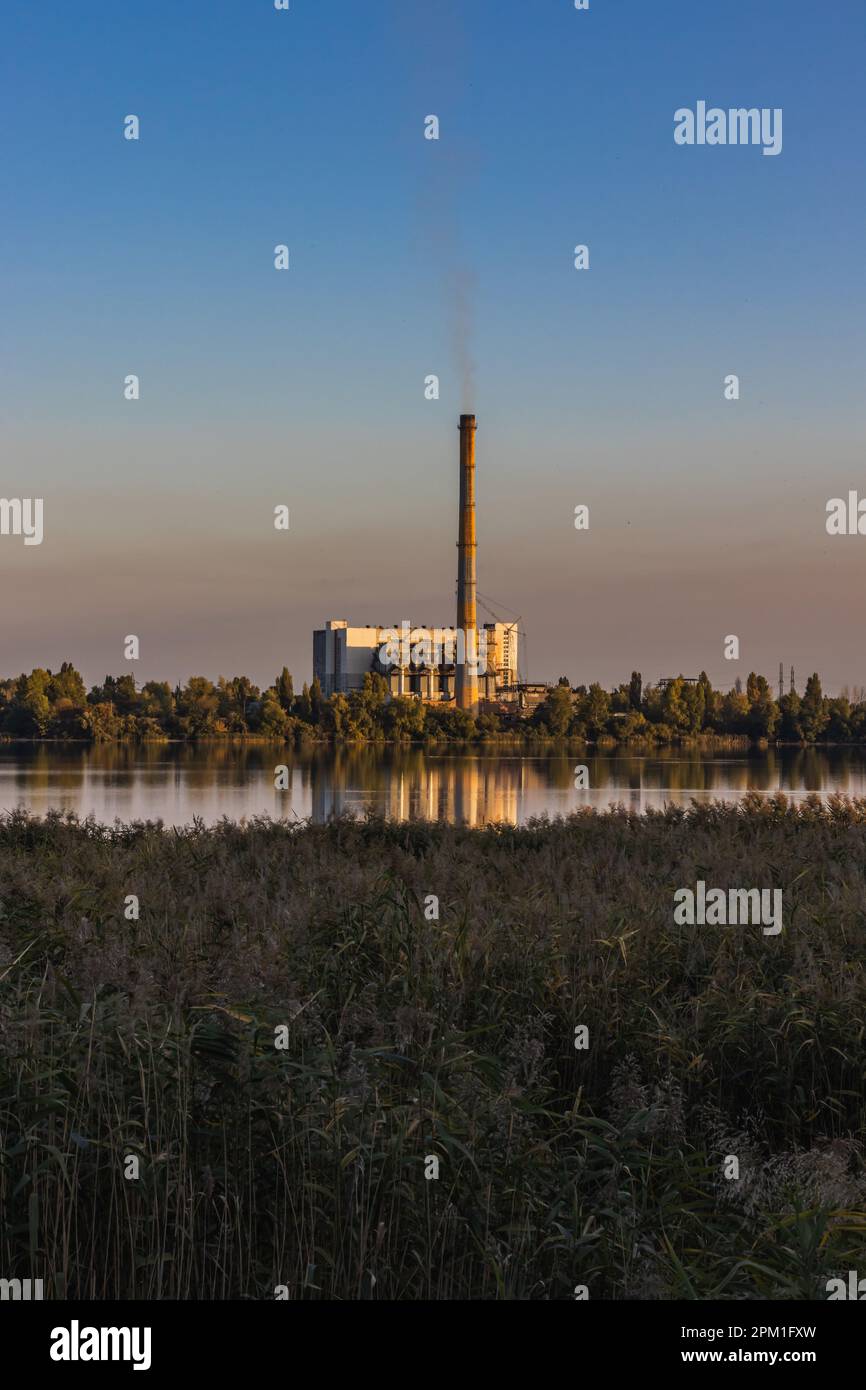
{"x": 466, "y": 682}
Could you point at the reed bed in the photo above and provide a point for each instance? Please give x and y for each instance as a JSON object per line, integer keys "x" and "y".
{"x": 299, "y": 1171}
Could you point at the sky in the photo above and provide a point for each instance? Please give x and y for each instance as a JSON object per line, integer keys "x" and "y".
{"x": 411, "y": 257}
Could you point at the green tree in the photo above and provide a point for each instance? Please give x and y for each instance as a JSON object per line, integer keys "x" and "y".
{"x": 652, "y": 703}
{"x": 488, "y": 724}
{"x": 236, "y": 701}
{"x": 597, "y": 710}
{"x": 448, "y": 722}
{"x": 157, "y": 702}
{"x": 118, "y": 691}
{"x": 620, "y": 699}
{"x": 285, "y": 690}
{"x": 303, "y": 708}
{"x": 102, "y": 722}
{"x": 339, "y": 716}
{"x": 199, "y": 705}
{"x": 857, "y": 721}
{"x": 273, "y": 722}
{"x": 66, "y": 684}
{"x": 558, "y": 710}
{"x": 693, "y": 706}
{"x": 791, "y": 728}
{"x": 735, "y": 712}
{"x": 839, "y": 722}
{"x": 763, "y": 714}
{"x": 673, "y": 708}
{"x": 30, "y": 712}
{"x": 374, "y": 698}
{"x": 711, "y": 701}
{"x": 814, "y": 715}
{"x": 317, "y": 701}
{"x": 405, "y": 717}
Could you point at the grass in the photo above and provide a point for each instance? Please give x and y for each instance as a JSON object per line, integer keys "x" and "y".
{"x": 409, "y": 1037}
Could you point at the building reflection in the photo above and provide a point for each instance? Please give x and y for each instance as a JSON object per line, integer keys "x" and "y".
{"x": 413, "y": 785}
{"x": 176, "y": 782}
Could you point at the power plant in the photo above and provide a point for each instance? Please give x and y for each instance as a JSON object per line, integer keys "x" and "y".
{"x": 461, "y": 665}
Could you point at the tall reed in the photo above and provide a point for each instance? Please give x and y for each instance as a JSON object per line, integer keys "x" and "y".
{"x": 411, "y": 1037}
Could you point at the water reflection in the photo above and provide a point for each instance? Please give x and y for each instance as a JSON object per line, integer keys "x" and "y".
{"x": 176, "y": 782}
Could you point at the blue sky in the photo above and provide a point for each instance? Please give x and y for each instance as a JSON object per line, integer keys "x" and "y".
{"x": 602, "y": 387}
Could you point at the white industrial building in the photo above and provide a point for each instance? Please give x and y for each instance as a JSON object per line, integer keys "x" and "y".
{"x": 417, "y": 661}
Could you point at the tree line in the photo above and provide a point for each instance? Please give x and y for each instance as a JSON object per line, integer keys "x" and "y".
{"x": 46, "y": 704}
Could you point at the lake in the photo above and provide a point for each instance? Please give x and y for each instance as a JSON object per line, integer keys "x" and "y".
{"x": 177, "y": 782}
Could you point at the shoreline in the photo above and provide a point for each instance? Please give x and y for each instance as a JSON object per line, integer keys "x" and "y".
{"x": 698, "y": 742}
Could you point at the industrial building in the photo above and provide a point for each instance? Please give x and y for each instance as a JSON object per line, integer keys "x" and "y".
{"x": 425, "y": 663}
{"x": 461, "y": 665}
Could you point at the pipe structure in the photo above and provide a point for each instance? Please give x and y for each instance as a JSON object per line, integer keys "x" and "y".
{"x": 466, "y": 674}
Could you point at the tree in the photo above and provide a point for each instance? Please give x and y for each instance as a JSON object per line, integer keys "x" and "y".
{"x": 839, "y": 725}
{"x": 620, "y": 700}
{"x": 236, "y": 699}
{"x": 558, "y": 710}
{"x": 488, "y": 724}
{"x": 635, "y": 689}
{"x": 791, "y": 728}
{"x": 66, "y": 684}
{"x": 338, "y": 715}
{"x": 448, "y": 722}
{"x": 126, "y": 699}
{"x": 101, "y": 722}
{"x": 199, "y": 703}
{"x": 374, "y": 697}
{"x": 735, "y": 711}
{"x": 274, "y": 722}
{"x": 693, "y": 706}
{"x": 711, "y": 701}
{"x": 157, "y": 701}
{"x": 634, "y": 725}
{"x": 813, "y": 710}
{"x": 674, "y": 710}
{"x": 652, "y": 703}
{"x": 118, "y": 691}
{"x": 285, "y": 690}
{"x": 30, "y": 713}
{"x": 405, "y": 717}
{"x": 763, "y": 715}
{"x": 303, "y": 709}
{"x": 317, "y": 701}
{"x": 857, "y": 721}
{"x": 597, "y": 709}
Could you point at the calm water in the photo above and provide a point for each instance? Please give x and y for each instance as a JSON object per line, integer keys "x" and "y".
{"x": 176, "y": 782}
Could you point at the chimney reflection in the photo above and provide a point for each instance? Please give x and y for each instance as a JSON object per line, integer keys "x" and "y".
{"x": 176, "y": 782}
